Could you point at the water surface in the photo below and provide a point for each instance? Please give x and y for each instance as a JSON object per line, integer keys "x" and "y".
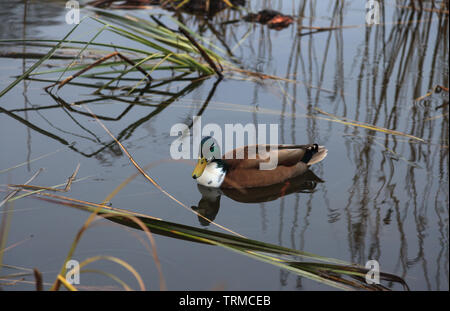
{"x": 384, "y": 196}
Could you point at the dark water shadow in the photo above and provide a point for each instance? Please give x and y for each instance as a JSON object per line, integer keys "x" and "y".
{"x": 209, "y": 204}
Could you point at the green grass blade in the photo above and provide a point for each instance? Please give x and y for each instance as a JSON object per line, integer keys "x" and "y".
{"x": 38, "y": 63}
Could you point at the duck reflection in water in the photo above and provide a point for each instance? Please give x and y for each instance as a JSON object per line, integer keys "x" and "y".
{"x": 209, "y": 204}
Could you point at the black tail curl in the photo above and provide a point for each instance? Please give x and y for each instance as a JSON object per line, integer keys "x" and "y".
{"x": 310, "y": 151}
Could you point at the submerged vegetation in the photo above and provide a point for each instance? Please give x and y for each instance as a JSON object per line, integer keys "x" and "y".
{"x": 165, "y": 50}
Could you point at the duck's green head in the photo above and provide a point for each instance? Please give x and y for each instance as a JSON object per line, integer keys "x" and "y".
{"x": 209, "y": 151}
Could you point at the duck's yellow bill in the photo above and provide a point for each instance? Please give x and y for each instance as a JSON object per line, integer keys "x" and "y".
{"x": 199, "y": 168}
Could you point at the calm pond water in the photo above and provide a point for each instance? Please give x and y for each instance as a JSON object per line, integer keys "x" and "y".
{"x": 384, "y": 196}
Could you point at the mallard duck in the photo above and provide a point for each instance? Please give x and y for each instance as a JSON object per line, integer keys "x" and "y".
{"x": 231, "y": 171}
